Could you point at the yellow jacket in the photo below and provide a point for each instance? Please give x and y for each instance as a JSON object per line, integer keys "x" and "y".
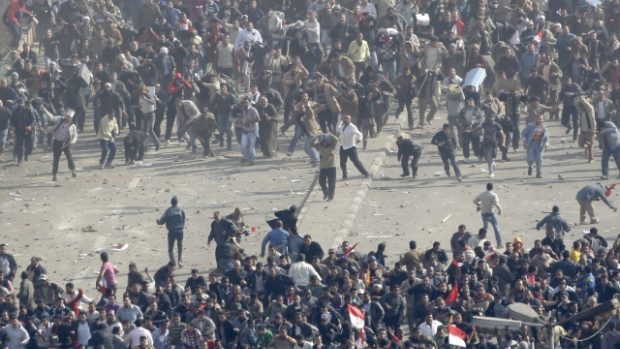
{"x": 359, "y": 53}
{"x": 108, "y": 129}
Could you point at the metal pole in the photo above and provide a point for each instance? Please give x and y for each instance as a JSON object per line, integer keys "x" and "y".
{"x": 551, "y": 337}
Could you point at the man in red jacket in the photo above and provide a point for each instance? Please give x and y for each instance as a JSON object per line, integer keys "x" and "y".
{"x": 12, "y": 19}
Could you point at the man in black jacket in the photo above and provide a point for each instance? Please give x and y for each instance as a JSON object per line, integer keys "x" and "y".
{"x": 23, "y": 121}
{"x": 446, "y": 144}
{"x": 408, "y": 149}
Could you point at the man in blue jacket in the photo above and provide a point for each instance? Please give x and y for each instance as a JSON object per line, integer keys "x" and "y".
{"x": 277, "y": 237}
{"x": 554, "y": 220}
{"x": 174, "y": 219}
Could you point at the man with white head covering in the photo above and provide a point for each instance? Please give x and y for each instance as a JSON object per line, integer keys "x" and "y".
{"x": 64, "y": 134}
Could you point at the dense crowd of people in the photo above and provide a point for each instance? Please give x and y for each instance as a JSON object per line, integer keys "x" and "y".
{"x": 237, "y": 74}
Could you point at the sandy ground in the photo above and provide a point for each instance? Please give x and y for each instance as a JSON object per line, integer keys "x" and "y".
{"x": 66, "y": 223}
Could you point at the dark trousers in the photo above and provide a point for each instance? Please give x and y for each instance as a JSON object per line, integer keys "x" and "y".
{"x": 23, "y": 145}
{"x": 159, "y": 118}
{"x": 58, "y": 148}
{"x": 402, "y": 104}
{"x": 108, "y": 152}
{"x": 172, "y": 237}
{"x": 516, "y": 132}
{"x": 327, "y": 121}
{"x": 474, "y": 139}
{"x": 448, "y": 159}
{"x": 570, "y": 113}
{"x": 404, "y": 162}
{"x": 351, "y": 153}
{"x": 171, "y": 113}
{"x": 327, "y": 181}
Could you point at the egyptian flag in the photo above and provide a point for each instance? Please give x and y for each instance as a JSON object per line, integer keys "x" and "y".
{"x": 610, "y": 190}
{"x": 456, "y": 336}
{"x": 454, "y": 293}
{"x": 357, "y": 322}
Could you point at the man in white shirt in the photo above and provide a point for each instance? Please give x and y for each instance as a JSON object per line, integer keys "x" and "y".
{"x": 249, "y": 34}
{"x": 349, "y": 137}
{"x": 301, "y": 271}
{"x": 478, "y": 240}
{"x": 487, "y": 202}
{"x": 429, "y": 326}
{"x": 133, "y": 337}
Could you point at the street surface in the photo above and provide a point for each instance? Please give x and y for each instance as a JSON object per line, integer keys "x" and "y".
{"x": 66, "y": 223}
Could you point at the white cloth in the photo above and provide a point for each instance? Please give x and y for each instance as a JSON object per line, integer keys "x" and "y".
{"x": 487, "y": 201}
{"x": 313, "y": 31}
{"x": 133, "y": 337}
{"x": 349, "y": 135}
{"x": 252, "y": 36}
{"x": 301, "y": 272}
{"x": 429, "y": 330}
{"x": 83, "y": 333}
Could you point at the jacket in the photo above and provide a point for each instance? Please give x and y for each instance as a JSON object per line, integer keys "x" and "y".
{"x": 556, "y": 221}
{"x": 609, "y": 109}
{"x": 407, "y": 147}
{"x": 325, "y": 144}
{"x": 174, "y": 219}
{"x": 609, "y": 137}
{"x": 331, "y": 94}
{"x": 446, "y": 143}
{"x": 593, "y": 192}
{"x": 108, "y": 129}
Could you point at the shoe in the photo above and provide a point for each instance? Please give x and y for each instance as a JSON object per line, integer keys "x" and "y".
{"x": 583, "y": 222}
{"x": 568, "y": 130}
{"x": 289, "y": 154}
{"x": 594, "y": 220}
{"x": 325, "y": 196}
{"x": 405, "y": 175}
{"x": 101, "y": 167}
{"x": 459, "y": 178}
{"x": 344, "y": 178}
{"x": 466, "y": 160}
{"x": 109, "y": 166}
{"x": 529, "y": 171}
{"x": 493, "y": 164}
{"x": 538, "y": 175}
{"x": 604, "y": 178}
{"x": 366, "y": 175}
{"x": 54, "y": 178}
{"x": 73, "y": 174}
{"x": 180, "y": 264}
{"x": 156, "y": 147}
{"x": 492, "y": 175}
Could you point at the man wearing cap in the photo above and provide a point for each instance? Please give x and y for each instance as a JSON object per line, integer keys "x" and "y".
{"x": 587, "y": 195}
{"x": 174, "y": 219}
{"x": 64, "y": 134}
{"x": 109, "y": 102}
